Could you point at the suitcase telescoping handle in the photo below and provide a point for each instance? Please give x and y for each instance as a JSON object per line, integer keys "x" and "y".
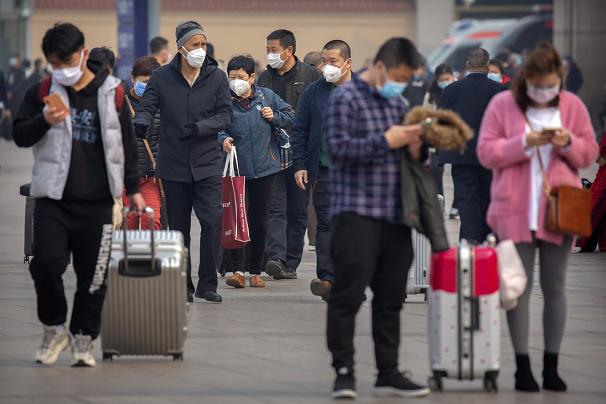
{"x": 124, "y": 268}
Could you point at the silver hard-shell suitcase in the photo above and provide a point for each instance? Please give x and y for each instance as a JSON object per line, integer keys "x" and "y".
{"x": 418, "y": 274}
{"x": 145, "y": 309}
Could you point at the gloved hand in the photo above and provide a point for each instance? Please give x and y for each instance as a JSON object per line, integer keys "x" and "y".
{"x": 141, "y": 131}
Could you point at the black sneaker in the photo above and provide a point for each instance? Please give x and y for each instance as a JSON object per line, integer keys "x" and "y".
{"x": 345, "y": 384}
{"x": 398, "y": 385}
{"x": 210, "y": 296}
{"x": 286, "y": 274}
{"x": 274, "y": 268}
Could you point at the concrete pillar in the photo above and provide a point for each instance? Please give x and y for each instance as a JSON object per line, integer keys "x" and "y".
{"x": 580, "y": 31}
{"x": 434, "y": 18}
{"x": 153, "y": 18}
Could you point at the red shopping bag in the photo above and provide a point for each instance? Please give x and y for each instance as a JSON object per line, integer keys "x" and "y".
{"x": 234, "y": 223}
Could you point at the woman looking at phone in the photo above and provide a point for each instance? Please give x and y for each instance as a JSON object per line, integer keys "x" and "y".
{"x": 534, "y": 124}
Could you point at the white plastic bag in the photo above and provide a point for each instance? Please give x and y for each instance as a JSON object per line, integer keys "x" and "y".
{"x": 512, "y": 275}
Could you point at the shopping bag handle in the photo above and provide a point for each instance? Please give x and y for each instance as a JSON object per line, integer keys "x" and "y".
{"x": 231, "y": 163}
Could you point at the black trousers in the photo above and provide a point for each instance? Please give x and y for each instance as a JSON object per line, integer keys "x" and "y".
{"x": 321, "y": 201}
{"x": 258, "y": 198}
{"x": 287, "y": 220}
{"x": 472, "y": 196}
{"x": 63, "y": 228}
{"x": 367, "y": 252}
{"x": 204, "y": 197}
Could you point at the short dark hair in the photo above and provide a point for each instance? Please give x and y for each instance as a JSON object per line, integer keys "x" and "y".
{"x": 157, "y": 44}
{"x": 313, "y": 58}
{"x": 210, "y": 49}
{"x": 144, "y": 66}
{"x": 286, "y": 38}
{"x": 62, "y": 40}
{"x": 398, "y": 51}
{"x": 497, "y": 63}
{"x": 104, "y": 55}
{"x": 38, "y": 62}
{"x": 478, "y": 57}
{"x": 241, "y": 62}
{"x": 342, "y": 46}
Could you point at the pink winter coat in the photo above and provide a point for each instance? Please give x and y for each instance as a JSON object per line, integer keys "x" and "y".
{"x": 501, "y": 149}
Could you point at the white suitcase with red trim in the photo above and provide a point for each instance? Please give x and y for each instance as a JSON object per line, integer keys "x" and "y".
{"x": 464, "y": 316}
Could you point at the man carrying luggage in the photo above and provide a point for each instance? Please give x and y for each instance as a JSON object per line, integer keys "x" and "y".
{"x": 370, "y": 244}
{"x": 84, "y": 153}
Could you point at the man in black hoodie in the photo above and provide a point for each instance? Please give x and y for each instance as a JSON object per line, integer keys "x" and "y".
{"x": 84, "y": 152}
{"x": 195, "y": 100}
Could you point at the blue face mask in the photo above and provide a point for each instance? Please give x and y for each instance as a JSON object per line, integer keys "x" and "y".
{"x": 444, "y": 84}
{"x": 139, "y": 88}
{"x": 392, "y": 89}
{"x": 495, "y": 77}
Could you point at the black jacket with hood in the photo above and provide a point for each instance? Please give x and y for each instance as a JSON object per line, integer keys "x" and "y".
{"x": 190, "y": 121}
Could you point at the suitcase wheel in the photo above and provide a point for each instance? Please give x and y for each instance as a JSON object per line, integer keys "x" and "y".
{"x": 108, "y": 356}
{"x": 435, "y": 382}
{"x": 178, "y": 356}
{"x": 490, "y": 382}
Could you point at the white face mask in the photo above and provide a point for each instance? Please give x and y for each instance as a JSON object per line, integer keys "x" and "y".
{"x": 542, "y": 95}
{"x": 332, "y": 74}
{"x": 240, "y": 87}
{"x": 68, "y": 76}
{"x": 196, "y": 57}
{"x": 275, "y": 60}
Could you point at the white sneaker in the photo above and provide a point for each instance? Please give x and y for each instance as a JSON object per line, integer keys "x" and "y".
{"x": 82, "y": 351}
{"x": 55, "y": 340}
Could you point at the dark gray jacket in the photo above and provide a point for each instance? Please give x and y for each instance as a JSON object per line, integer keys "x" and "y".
{"x": 422, "y": 211}
{"x": 190, "y": 121}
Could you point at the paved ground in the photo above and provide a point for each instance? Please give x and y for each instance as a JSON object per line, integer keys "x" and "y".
{"x": 265, "y": 346}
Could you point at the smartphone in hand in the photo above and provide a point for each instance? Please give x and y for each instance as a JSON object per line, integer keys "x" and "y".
{"x": 550, "y": 132}
{"x": 54, "y": 101}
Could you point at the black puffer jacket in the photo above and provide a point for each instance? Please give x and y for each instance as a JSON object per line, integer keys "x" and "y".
{"x": 145, "y": 165}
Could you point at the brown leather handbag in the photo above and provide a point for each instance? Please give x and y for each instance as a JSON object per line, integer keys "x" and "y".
{"x": 568, "y": 209}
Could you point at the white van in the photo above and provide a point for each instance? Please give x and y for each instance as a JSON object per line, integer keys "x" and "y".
{"x": 495, "y": 36}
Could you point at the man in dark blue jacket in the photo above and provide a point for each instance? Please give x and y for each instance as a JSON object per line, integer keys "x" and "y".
{"x": 195, "y": 100}
{"x": 311, "y": 161}
{"x": 469, "y": 98}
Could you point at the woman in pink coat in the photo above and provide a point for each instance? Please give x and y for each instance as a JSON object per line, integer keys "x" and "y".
{"x": 511, "y": 137}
